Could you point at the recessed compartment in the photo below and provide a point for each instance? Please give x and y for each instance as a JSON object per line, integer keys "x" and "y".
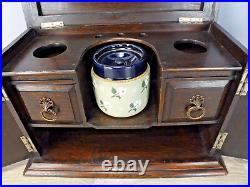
{"x": 50, "y": 50}
{"x": 49, "y": 103}
{"x": 194, "y": 100}
{"x": 168, "y": 149}
{"x": 97, "y": 118}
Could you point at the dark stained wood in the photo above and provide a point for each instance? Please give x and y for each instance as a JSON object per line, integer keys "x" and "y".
{"x": 162, "y": 43}
{"x": 207, "y": 168}
{"x": 13, "y": 106}
{"x": 101, "y": 30}
{"x": 156, "y": 144}
{"x": 179, "y": 92}
{"x": 106, "y": 14}
{"x": 169, "y": 170}
{"x": 11, "y": 142}
{"x": 230, "y": 43}
{"x": 176, "y": 147}
{"x": 78, "y": 8}
{"x": 241, "y": 54}
{"x": 238, "y": 131}
{"x": 62, "y": 93}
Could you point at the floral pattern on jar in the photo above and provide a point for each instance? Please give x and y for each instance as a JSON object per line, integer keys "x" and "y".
{"x": 123, "y": 98}
{"x": 118, "y": 92}
{"x": 144, "y": 84}
{"x": 134, "y": 105}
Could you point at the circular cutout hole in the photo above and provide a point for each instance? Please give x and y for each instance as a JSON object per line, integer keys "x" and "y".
{"x": 50, "y": 50}
{"x": 190, "y": 46}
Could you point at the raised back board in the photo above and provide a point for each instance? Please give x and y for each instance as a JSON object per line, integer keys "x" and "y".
{"x": 114, "y": 13}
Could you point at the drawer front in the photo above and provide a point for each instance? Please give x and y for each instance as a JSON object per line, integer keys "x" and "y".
{"x": 49, "y": 102}
{"x": 194, "y": 100}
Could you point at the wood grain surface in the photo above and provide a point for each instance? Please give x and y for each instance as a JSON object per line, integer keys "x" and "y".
{"x": 237, "y": 174}
{"x": 177, "y": 52}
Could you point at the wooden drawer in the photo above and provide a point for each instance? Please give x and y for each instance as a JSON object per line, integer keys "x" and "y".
{"x": 194, "y": 100}
{"x": 49, "y": 102}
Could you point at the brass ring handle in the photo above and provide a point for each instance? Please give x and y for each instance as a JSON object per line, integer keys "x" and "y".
{"x": 197, "y": 102}
{"x": 195, "y": 109}
{"x": 52, "y": 113}
{"x": 48, "y": 107}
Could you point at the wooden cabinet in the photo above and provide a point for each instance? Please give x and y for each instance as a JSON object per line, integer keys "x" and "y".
{"x": 195, "y": 72}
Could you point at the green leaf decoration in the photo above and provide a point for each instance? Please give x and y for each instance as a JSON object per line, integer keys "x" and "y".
{"x": 101, "y": 102}
{"x": 113, "y": 91}
{"x": 143, "y": 84}
{"x": 132, "y": 105}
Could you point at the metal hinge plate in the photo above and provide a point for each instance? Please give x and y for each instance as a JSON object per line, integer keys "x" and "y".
{"x": 52, "y": 25}
{"x": 243, "y": 86}
{"x": 186, "y": 20}
{"x": 28, "y": 144}
{"x": 220, "y": 140}
{"x": 4, "y": 95}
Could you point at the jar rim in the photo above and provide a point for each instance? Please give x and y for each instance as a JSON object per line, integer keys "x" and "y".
{"x": 110, "y": 52}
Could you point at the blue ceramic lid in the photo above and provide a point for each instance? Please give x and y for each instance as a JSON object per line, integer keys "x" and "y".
{"x": 120, "y": 61}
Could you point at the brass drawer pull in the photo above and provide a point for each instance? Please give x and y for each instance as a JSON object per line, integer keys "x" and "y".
{"x": 48, "y": 108}
{"x": 197, "y": 101}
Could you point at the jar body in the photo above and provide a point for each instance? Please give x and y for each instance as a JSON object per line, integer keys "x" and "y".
{"x": 122, "y": 98}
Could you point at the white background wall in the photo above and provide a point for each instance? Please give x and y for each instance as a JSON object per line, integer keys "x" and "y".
{"x": 13, "y": 22}
{"x": 232, "y": 16}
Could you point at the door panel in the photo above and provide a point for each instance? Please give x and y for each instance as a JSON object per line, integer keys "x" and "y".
{"x": 236, "y": 144}
{"x": 13, "y": 149}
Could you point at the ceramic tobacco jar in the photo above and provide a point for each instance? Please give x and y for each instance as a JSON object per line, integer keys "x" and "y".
{"x": 121, "y": 79}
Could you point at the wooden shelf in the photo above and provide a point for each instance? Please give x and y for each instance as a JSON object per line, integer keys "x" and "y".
{"x": 167, "y": 149}
{"x": 156, "y": 143}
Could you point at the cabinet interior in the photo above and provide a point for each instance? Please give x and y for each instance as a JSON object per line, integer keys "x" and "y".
{"x": 95, "y": 116}
{"x": 157, "y": 144}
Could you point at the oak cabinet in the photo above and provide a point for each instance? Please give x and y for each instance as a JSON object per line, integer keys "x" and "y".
{"x": 195, "y": 73}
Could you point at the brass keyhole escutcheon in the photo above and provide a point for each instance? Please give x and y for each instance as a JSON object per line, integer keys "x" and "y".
{"x": 48, "y": 111}
{"x": 197, "y": 102}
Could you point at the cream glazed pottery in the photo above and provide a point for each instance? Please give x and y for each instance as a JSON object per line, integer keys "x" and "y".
{"x": 122, "y": 98}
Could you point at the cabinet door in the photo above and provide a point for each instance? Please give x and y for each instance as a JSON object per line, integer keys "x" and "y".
{"x": 236, "y": 144}
{"x": 194, "y": 100}
{"x": 13, "y": 149}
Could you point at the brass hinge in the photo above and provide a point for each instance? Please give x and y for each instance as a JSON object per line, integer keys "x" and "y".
{"x": 28, "y": 144}
{"x": 243, "y": 86}
{"x": 4, "y": 95}
{"x": 186, "y": 20}
{"x": 220, "y": 140}
{"x": 52, "y": 25}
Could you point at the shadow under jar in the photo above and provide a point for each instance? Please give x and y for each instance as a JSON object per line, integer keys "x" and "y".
{"x": 121, "y": 77}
